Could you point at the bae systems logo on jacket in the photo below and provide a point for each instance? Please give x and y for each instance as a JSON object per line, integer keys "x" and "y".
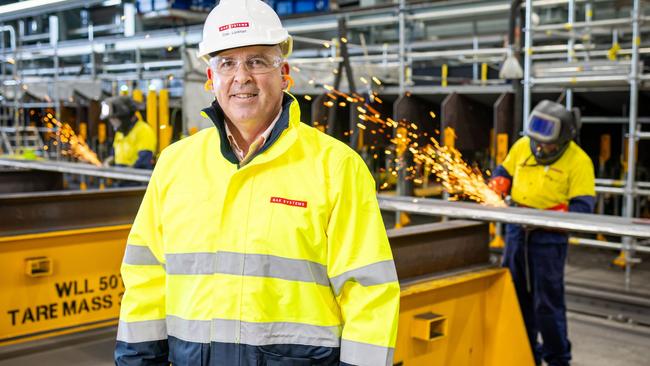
{"x": 288, "y": 202}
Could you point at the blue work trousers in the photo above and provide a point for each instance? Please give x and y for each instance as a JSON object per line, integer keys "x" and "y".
{"x": 536, "y": 260}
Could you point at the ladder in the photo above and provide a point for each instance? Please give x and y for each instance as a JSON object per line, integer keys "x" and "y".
{"x": 17, "y": 140}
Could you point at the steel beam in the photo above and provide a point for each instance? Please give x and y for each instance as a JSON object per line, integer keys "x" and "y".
{"x": 445, "y": 246}
{"x": 138, "y": 175}
{"x": 575, "y": 222}
{"x": 25, "y": 213}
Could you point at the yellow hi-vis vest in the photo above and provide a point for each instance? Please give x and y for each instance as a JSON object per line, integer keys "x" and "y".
{"x": 140, "y": 138}
{"x": 546, "y": 186}
{"x": 284, "y": 261}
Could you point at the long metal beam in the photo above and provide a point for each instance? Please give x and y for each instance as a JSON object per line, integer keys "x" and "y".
{"x": 587, "y": 223}
{"x": 27, "y": 213}
{"x": 605, "y": 224}
{"x": 138, "y": 175}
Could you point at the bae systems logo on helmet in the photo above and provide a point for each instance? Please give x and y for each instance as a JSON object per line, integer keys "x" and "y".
{"x": 233, "y": 26}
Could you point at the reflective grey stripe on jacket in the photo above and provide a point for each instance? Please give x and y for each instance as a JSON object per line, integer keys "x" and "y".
{"x": 260, "y": 265}
{"x": 142, "y": 331}
{"x": 256, "y": 334}
{"x": 373, "y": 274}
{"x": 364, "y": 354}
{"x": 139, "y": 255}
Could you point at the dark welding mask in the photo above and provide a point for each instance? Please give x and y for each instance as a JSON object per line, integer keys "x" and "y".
{"x": 119, "y": 111}
{"x": 551, "y": 128}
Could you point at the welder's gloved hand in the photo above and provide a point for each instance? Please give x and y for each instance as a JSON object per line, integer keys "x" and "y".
{"x": 108, "y": 162}
{"x": 500, "y": 185}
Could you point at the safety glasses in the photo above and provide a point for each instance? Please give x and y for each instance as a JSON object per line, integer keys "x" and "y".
{"x": 256, "y": 64}
{"x": 543, "y": 128}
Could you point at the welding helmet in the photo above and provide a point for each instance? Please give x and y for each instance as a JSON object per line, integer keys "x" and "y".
{"x": 551, "y": 128}
{"x": 121, "y": 108}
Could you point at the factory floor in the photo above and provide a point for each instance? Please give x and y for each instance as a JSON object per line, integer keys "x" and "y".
{"x": 595, "y": 343}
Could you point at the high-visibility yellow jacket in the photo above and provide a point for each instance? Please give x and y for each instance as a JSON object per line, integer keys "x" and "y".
{"x": 136, "y": 148}
{"x": 284, "y": 261}
{"x": 547, "y": 186}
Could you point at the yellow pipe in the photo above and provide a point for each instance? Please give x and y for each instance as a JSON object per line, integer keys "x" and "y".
{"x": 152, "y": 109}
{"x": 101, "y": 133}
{"x": 138, "y": 97}
{"x": 165, "y": 131}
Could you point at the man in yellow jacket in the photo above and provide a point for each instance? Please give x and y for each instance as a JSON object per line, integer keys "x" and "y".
{"x": 258, "y": 241}
{"x": 135, "y": 141}
{"x": 545, "y": 170}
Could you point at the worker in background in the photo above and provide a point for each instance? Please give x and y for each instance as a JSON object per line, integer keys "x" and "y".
{"x": 135, "y": 141}
{"x": 259, "y": 241}
{"x": 545, "y": 170}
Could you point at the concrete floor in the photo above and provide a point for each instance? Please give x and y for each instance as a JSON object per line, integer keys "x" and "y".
{"x": 605, "y": 343}
{"x": 595, "y": 343}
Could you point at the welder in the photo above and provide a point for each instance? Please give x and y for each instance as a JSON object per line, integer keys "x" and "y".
{"x": 546, "y": 170}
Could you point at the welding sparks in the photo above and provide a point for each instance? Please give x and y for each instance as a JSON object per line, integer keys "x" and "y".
{"x": 457, "y": 178}
{"x": 76, "y": 146}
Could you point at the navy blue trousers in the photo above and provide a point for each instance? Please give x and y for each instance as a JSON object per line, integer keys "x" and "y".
{"x": 540, "y": 289}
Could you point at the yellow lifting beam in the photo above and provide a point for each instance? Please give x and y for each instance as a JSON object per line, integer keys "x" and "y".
{"x": 471, "y": 318}
{"x": 60, "y": 282}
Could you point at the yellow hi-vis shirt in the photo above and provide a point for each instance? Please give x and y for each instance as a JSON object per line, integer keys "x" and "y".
{"x": 546, "y": 186}
{"x": 140, "y": 138}
{"x": 284, "y": 260}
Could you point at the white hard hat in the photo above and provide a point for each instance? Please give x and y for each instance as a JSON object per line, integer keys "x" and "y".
{"x": 241, "y": 23}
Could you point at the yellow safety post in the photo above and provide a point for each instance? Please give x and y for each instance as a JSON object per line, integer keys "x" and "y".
{"x": 165, "y": 130}
{"x": 484, "y": 73}
{"x": 449, "y": 137}
{"x": 138, "y": 97}
{"x": 444, "y": 73}
{"x": 502, "y": 148}
{"x": 101, "y": 132}
{"x": 152, "y": 109}
{"x": 83, "y": 131}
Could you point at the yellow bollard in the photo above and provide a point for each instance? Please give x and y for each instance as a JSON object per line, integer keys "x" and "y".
{"x": 165, "y": 130}
{"x": 449, "y": 137}
{"x": 152, "y": 110}
{"x": 502, "y": 148}
{"x": 101, "y": 133}
{"x": 138, "y": 97}
{"x": 83, "y": 131}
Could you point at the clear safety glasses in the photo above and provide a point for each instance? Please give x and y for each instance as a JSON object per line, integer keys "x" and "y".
{"x": 258, "y": 64}
{"x": 543, "y": 128}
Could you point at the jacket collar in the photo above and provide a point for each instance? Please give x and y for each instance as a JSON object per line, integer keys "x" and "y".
{"x": 288, "y": 120}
